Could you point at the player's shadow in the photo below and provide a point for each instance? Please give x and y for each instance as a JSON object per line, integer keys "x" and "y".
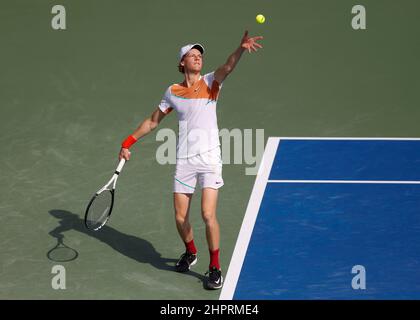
{"x": 133, "y": 247}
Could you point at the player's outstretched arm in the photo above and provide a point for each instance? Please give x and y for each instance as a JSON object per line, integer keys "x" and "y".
{"x": 247, "y": 43}
{"x": 144, "y": 128}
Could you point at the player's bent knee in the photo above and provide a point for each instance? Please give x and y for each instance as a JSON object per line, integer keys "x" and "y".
{"x": 181, "y": 217}
{"x": 209, "y": 218}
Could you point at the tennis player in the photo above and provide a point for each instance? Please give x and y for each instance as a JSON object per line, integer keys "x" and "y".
{"x": 198, "y": 147}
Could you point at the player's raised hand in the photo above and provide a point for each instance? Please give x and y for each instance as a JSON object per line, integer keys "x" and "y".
{"x": 250, "y": 44}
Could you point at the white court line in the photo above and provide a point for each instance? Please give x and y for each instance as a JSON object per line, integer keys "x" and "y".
{"x": 248, "y": 223}
{"x": 344, "y": 181}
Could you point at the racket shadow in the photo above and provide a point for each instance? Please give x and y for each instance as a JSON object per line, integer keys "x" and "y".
{"x": 130, "y": 246}
{"x": 62, "y": 252}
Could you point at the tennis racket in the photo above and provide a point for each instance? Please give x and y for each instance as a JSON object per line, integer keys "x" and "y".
{"x": 100, "y": 206}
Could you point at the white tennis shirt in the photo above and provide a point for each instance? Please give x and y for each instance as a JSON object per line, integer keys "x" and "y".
{"x": 196, "y": 109}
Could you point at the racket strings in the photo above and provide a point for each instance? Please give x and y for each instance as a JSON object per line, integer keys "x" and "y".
{"x": 99, "y": 210}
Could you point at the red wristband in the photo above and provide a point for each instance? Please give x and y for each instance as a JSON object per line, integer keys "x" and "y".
{"x": 128, "y": 142}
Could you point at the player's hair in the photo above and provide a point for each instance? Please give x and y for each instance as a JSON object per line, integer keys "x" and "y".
{"x": 181, "y": 68}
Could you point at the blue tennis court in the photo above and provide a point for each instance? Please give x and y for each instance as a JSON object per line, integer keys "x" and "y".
{"x": 321, "y": 207}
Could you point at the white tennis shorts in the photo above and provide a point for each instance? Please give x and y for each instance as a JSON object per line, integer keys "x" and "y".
{"x": 206, "y": 168}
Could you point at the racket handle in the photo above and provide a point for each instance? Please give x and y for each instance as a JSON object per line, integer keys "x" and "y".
{"x": 120, "y": 165}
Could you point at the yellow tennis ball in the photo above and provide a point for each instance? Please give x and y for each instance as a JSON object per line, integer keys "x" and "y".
{"x": 260, "y": 18}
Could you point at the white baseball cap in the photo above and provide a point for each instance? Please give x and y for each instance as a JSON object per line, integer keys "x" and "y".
{"x": 188, "y": 47}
